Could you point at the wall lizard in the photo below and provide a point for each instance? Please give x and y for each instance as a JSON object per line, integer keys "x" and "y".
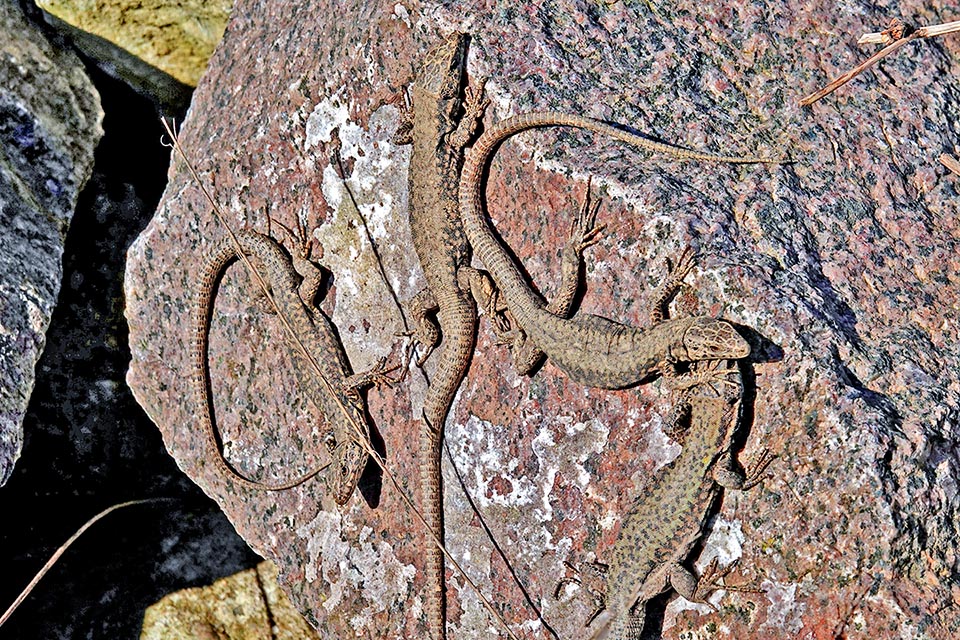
{"x": 294, "y": 282}
{"x": 591, "y": 349}
{"x": 441, "y": 123}
{"x": 443, "y": 120}
{"x": 667, "y": 519}
{"x": 438, "y": 132}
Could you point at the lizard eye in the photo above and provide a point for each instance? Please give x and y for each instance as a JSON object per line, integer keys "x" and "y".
{"x": 330, "y": 441}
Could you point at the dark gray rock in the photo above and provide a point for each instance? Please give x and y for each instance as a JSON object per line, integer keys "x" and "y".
{"x": 49, "y": 126}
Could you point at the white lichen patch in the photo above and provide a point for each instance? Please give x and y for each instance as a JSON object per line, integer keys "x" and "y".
{"x": 476, "y": 445}
{"x": 363, "y": 564}
{"x": 401, "y": 13}
{"x": 505, "y": 489}
{"x": 725, "y": 542}
{"x": 785, "y": 613}
{"x": 366, "y": 205}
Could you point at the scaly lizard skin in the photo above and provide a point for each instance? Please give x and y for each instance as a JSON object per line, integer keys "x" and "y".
{"x": 439, "y": 132}
{"x": 294, "y": 282}
{"x": 443, "y": 121}
{"x": 592, "y": 350}
{"x": 667, "y": 520}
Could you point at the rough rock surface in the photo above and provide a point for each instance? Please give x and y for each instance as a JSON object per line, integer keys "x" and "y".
{"x": 842, "y": 269}
{"x": 175, "y": 37}
{"x": 49, "y": 126}
{"x": 245, "y": 606}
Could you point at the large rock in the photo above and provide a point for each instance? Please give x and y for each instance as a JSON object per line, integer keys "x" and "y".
{"x": 841, "y": 267}
{"x": 160, "y": 49}
{"x": 176, "y": 38}
{"x": 49, "y": 126}
{"x": 245, "y": 606}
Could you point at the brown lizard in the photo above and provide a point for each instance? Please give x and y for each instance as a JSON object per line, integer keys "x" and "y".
{"x": 439, "y": 131}
{"x": 293, "y": 281}
{"x": 442, "y": 122}
{"x": 591, "y": 349}
{"x": 667, "y": 519}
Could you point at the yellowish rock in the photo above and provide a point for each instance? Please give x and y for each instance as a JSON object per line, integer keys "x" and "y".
{"x": 239, "y": 607}
{"x": 176, "y": 37}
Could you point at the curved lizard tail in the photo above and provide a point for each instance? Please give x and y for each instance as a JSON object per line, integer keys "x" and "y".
{"x": 213, "y": 268}
{"x": 458, "y": 321}
{"x": 498, "y": 133}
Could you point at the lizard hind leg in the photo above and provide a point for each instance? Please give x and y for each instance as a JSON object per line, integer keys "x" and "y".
{"x": 423, "y": 308}
{"x": 596, "y": 586}
{"x": 697, "y": 589}
{"x": 301, "y": 249}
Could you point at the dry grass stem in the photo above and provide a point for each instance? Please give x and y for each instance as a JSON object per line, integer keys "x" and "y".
{"x": 950, "y": 162}
{"x": 360, "y": 433}
{"x": 894, "y": 36}
{"x": 59, "y": 552}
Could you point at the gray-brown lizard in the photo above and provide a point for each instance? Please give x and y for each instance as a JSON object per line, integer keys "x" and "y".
{"x": 592, "y": 350}
{"x": 667, "y": 519}
{"x": 293, "y": 281}
{"x": 439, "y": 131}
{"x": 442, "y": 122}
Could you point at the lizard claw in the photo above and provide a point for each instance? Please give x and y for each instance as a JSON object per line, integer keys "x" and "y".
{"x": 686, "y": 261}
{"x": 584, "y": 230}
{"x": 754, "y": 474}
{"x": 376, "y": 376}
{"x": 713, "y": 577}
{"x": 475, "y": 102}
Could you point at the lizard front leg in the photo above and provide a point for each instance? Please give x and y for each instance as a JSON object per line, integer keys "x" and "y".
{"x": 377, "y": 375}
{"x": 660, "y": 310}
{"x": 584, "y": 233}
{"x": 474, "y": 105}
{"x": 423, "y": 309}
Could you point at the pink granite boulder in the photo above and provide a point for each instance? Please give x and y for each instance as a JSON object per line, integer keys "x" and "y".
{"x": 842, "y": 268}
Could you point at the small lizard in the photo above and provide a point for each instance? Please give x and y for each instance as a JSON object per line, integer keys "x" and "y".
{"x": 591, "y": 349}
{"x": 667, "y": 519}
{"x": 294, "y": 282}
{"x": 439, "y": 132}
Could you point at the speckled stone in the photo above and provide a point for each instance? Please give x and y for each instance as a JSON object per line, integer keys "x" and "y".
{"x": 245, "y": 606}
{"x": 842, "y": 269}
{"x": 49, "y": 127}
{"x": 174, "y": 37}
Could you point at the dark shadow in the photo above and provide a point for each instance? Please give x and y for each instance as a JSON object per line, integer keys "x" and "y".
{"x": 371, "y": 482}
{"x": 88, "y": 444}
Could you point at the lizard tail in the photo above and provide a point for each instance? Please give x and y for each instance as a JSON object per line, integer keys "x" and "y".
{"x": 458, "y": 323}
{"x": 213, "y": 268}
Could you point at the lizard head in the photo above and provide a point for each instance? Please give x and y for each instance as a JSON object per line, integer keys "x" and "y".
{"x": 712, "y": 339}
{"x": 443, "y": 66}
{"x": 349, "y": 461}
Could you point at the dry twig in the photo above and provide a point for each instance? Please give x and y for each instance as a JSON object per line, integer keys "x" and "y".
{"x": 950, "y": 162}
{"x": 894, "y": 36}
{"x": 59, "y": 552}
